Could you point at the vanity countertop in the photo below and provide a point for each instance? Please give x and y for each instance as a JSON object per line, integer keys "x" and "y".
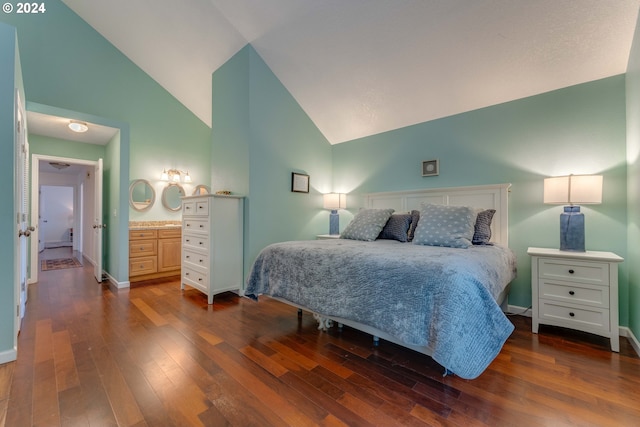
{"x": 158, "y": 225}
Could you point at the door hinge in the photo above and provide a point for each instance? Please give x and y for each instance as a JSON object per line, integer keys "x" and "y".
{"x": 18, "y": 310}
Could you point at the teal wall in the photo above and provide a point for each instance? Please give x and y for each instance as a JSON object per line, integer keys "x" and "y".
{"x": 258, "y": 141}
{"x": 67, "y": 65}
{"x": 48, "y": 146}
{"x": 633, "y": 189}
{"x": 10, "y": 81}
{"x": 579, "y": 129}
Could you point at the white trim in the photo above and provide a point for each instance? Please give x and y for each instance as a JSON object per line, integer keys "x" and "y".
{"x": 113, "y": 282}
{"x": 494, "y": 196}
{"x": 35, "y": 202}
{"x": 623, "y": 330}
{"x": 628, "y": 333}
{"x": 8, "y": 356}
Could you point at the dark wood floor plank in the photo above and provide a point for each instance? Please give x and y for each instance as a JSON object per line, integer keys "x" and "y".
{"x": 157, "y": 356}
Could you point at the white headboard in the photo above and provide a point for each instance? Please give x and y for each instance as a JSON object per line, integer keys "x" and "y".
{"x": 479, "y": 196}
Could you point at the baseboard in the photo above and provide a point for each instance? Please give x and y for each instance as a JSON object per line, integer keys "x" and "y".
{"x": 114, "y": 283}
{"x": 522, "y": 311}
{"x": 8, "y": 356}
{"x": 623, "y": 331}
{"x": 626, "y": 332}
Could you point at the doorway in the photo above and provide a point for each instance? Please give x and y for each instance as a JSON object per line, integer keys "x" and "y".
{"x": 64, "y": 199}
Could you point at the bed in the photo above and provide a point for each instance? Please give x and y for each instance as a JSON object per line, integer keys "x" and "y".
{"x": 440, "y": 301}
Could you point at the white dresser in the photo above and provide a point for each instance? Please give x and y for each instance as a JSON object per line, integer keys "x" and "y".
{"x": 577, "y": 290}
{"x": 212, "y": 243}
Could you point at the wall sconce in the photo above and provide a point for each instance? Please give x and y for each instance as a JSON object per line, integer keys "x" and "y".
{"x": 334, "y": 201}
{"x": 175, "y": 175}
{"x": 573, "y": 189}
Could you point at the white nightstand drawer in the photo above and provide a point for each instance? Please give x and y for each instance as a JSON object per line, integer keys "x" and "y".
{"x": 578, "y": 271}
{"x": 577, "y": 293}
{"x": 196, "y": 225}
{"x": 582, "y": 318}
{"x": 191, "y": 241}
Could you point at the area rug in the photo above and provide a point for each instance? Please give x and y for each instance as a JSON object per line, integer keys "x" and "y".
{"x": 59, "y": 264}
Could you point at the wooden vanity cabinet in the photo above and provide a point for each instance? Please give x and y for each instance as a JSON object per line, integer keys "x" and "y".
{"x": 154, "y": 253}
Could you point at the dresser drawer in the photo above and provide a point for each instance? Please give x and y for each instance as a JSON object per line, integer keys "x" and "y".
{"x": 191, "y": 241}
{"x": 594, "y": 273}
{"x": 577, "y": 293}
{"x": 202, "y": 208}
{"x": 143, "y": 265}
{"x": 196, "y": 225}
{"x": 188, "y": 208}
{"x": 201, "y": 260}
{"x": 582, "y": 318}
{"x": 195, "y": 278}
{"x": 142, "y": 234}
{"x": 138, "y": 248}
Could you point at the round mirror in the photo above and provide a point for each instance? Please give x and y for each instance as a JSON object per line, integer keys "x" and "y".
{"x": 141, "y": 195}
{"x": 201, "y": 190}
{"x": 171, "y": 196}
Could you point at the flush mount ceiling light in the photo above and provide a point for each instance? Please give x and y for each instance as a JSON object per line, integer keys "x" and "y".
{"x": 59, "y": 165}
{"x": 78, "y": 126}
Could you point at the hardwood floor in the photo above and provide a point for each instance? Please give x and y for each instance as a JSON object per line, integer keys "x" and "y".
{"x": 154, "y": 356}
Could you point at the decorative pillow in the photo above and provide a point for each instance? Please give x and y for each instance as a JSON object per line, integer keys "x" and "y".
{"x": 396, "y": 228}
{"x": 482, "y": 233}
{"x": 441, "y": 225}
{"x": 367, "y": 224}
{"x": 415, "y": 217}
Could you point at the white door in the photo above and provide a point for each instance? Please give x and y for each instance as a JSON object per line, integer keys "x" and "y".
{"x": 42, "y": 223}
{"x": 22, "y": 206}
{"x": 98, "y": 226}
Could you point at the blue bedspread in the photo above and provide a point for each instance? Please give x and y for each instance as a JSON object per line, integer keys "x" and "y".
{"x": 439, "y": 298}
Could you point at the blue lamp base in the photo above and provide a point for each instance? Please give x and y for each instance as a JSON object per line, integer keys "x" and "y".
{"x": 334, "y": 222}
{"x": 572, "y": 229}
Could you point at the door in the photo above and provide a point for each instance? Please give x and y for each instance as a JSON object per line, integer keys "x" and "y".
{"x": 98, "y": 225}
{"x": 22, "y": 204}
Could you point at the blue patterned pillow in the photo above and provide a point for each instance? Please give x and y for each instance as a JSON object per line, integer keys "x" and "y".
{"x": 396, "y": 228}
{"x": 367, "y": 224}
{"x": 482, "y": 232}
{"x": 441, "y": 225}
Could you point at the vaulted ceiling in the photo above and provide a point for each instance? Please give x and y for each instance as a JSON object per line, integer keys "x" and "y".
{"x": 361, "y": 67}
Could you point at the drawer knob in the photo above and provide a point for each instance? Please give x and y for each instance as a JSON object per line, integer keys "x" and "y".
{"x": 141, "y": 248}
{"x": 571, "y": 271}
{"x": 572, "y": 293}
{"x": 572, "y": 314}
{"x": 187, "y": 257}
{"x": 186, "y": 274}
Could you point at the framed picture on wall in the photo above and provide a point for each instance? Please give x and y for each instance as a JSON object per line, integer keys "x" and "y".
{"x": 299, "y": 182}
{"x": 430, "y": 168}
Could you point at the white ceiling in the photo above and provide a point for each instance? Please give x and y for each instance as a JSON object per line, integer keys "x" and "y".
{"x": 361, "y": 67}
{"x": 58, "y": 127}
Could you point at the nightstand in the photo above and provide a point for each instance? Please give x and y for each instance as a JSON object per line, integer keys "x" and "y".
{"x": 576, "y": 290}
{"x": 327, "y": 236}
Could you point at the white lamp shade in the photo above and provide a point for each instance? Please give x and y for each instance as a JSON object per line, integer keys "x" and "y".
{"x": 335, "y": 201}
{"x": 573, "y": 189}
